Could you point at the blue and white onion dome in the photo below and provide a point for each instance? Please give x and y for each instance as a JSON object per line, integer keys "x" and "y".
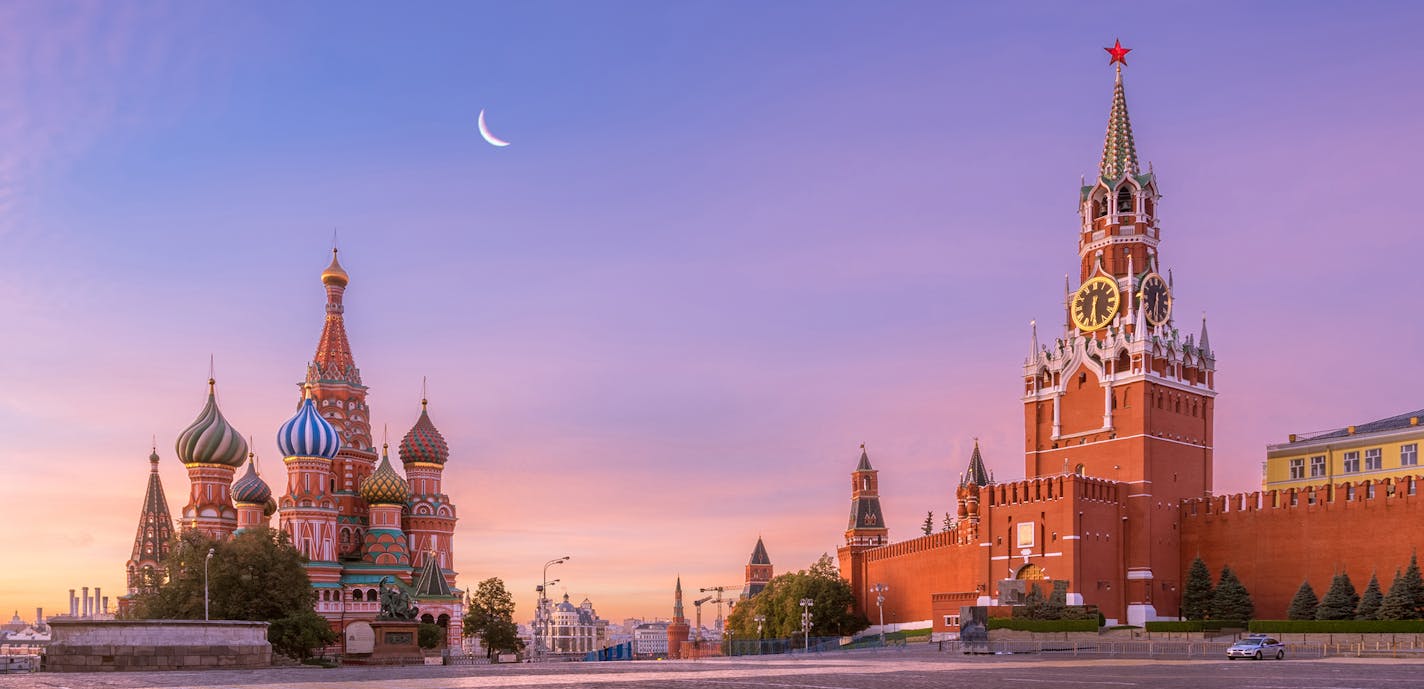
{"x": 307, "y": 434}
{"x": 251, "y": 489}
{"x": 210, "y": 439}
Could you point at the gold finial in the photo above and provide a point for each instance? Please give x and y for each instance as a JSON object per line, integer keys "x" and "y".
{"x": 334, "y": 273}
{"x": 423, "y": 397}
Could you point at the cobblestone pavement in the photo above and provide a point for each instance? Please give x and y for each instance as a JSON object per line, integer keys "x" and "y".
{"x": 886, "y": 670}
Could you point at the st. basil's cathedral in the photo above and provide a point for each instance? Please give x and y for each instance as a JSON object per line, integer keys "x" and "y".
{"x": 345, "y": 507}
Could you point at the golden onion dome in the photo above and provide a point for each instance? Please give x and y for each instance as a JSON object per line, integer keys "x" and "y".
{"x": 334, "y": 273}
{"x": 384, "y": 486}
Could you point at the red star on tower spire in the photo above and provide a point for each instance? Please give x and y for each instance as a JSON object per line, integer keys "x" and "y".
{"x": 1118, "y": 53}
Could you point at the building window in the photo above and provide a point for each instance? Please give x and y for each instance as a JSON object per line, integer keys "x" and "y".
{"x": 1409, "y": 455}
{"x": 951, "y": 620}
{"x": 1317, "y": 466}
{"x": 1297, "y": 468}
{"x": 1352, "y": 462}
{"x": 1124, "y": 199}
{"x": 1373, "y": 460}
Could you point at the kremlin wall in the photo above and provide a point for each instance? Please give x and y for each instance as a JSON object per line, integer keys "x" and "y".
{"x": 1118, "y": 453}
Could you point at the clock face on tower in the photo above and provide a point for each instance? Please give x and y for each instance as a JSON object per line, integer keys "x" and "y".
{"x": 1094, "y": 303}
{"x": 1156, "y": 299}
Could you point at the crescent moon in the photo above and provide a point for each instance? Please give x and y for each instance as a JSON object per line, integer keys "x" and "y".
{"x": 485, "y": 132}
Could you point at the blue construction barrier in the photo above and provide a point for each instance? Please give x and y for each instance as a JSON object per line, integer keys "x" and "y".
{"x": 623, "y": 651}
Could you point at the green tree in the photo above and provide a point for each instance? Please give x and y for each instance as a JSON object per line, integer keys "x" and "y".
{"x": 928, "y": 526}
{"x": 1398, "y": 604}
{"x": 1034, "y": 606}
{"x": 1231, "y": 600}
{"x": 1414, "y": 586}
{"x": 297, "y": 634}
{"x": 491, "y": 618}
{"x": 1370, "y": 601}
{"x": 832, "y": 611}
{"x": 254, "y": 575}
{"x": 948, "y": 522}
{"x": 1197, "y": 593}
{"x": 1057, "y": 600}
{"x": 1303, "y": 606}
{"x": 429, "y": 635}
{"x": 1340, "y": 601}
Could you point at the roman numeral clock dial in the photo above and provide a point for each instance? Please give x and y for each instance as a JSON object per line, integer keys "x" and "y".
{"x": 1094, "y": 303}
{"x": 1156, "y": 299}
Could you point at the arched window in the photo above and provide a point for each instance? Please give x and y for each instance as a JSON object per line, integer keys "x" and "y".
{"x": 356, "y": 595}
{"x": 370, "y": 594}
{"x": 1124, "y": 199}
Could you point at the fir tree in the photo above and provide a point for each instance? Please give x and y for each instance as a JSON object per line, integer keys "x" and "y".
{"x": 1231, "y": 600}
{"x": 1196, "y": 596}
{"x": 1303, "y": 606}
{"x": 1398, "y": 604}
{"x": 1340, "y": 601}
{"x": 948, "y": 522}
{"x": 1370, "y": 601}
{"x": 928, "y": 526}
{"x": 1414, "y": 586}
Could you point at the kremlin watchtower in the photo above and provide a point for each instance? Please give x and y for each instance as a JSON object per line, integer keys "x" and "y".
{"x": 759, "y": 571}
{"x": 678, "y": 630}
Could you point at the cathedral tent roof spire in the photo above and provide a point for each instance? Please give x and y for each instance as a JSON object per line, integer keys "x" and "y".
{"x": 1119, "y": 149}
{"x": 333, "y": 360}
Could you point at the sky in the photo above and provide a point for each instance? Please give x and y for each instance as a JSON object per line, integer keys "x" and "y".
{"x": 729, "y": 243}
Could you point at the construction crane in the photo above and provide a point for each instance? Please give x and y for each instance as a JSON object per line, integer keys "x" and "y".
{"x": 719, "y": 600}
{"x": 697, "y": 643}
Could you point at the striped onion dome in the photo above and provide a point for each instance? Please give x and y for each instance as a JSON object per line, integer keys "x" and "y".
{"x": 384, "y": 486}
{"x": 251, "y": 489}
{"x": 424, "y": 443}
{"x": 210, "y": 439}
{"x": 307, "y": 434}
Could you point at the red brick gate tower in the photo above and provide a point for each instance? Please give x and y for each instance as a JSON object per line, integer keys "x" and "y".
{"x": 1123, "y": 395}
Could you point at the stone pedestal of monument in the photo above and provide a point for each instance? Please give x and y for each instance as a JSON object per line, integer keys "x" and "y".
{"x": 396, "y": 643}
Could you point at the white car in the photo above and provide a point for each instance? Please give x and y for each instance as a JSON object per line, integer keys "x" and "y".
{"x": 1257, "y": 646}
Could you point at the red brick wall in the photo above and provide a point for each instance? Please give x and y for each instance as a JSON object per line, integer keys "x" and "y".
{"x": 1273, "y": 546}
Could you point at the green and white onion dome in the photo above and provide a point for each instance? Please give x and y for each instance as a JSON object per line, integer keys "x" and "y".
{"x": 210, "y": 439}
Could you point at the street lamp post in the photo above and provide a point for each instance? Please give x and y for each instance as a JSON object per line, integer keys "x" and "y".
{"x": 761, "y": 641}
{"x": 206, "y": 560}
{"x": 806, "y": 604}
{"x": 543, "y": 616}
{"x": 880, "y": 590}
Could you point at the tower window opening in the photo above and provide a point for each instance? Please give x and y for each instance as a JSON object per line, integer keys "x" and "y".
{"x": 1124, "y": 199}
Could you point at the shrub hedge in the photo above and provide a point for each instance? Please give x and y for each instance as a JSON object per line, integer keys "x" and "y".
{"x": 1195, "y": 625}
{"x": 1338, "y": 626}
{"x": 1022, "y": 625}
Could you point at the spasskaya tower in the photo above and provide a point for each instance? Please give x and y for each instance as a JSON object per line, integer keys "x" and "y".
{"x": 1122, "y": 394}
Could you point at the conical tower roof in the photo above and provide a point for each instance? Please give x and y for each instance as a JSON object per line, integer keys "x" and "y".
{"x": 759, "y": 556}
{"x": 976, "y": 474}
{"x": 155, "y": 524}
{"x": 431, "y": 582}
{"x": 333, "y": 360}
{"x": 864, "y": 460}
{"x": 1119, "y": 148}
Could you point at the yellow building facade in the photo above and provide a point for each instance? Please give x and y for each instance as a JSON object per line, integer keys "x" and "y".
{"x": 1387, "y": 448}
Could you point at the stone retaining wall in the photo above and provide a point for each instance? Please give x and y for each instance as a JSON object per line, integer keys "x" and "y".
{"x": 100, "y": 645}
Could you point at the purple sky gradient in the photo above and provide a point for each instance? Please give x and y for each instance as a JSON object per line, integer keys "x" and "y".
{"x": 728, "y": 244}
